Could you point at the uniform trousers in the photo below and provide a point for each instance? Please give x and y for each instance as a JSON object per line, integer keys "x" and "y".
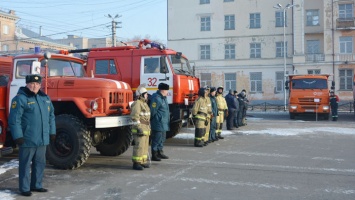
{"x": 31, "y": 175}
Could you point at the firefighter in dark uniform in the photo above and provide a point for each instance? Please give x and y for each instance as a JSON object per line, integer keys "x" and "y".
{"x": 200, "y": 116}
{"x": 160, "y": 120}
{"x": 140, "y": 115}
{"x": 32, "y": 125}
{"x": 212, "y": 136}
{"x": 334, "y": 99}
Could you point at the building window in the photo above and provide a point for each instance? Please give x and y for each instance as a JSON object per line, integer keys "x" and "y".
{"x": 229, "y": 22}
{"x": 313, "y": 71}
{"x": 230, "y": 81}
{"x": 280, "y": 49}
{"x": 5, "y": 47}
{"x": 346, "y": 44}
{"x": 313, "y": 46}
{"x": 255, "y": 50}
{"x": 93, "y": 46}
{"x": 105, "y": 67}
{"x": 205, "y": 79}
{"x": 204, "y": 1}
{"x": 229, "y": 51}
{"x": 5, "y": 29}
{"x": 346, "y": 11}
{"x": 255, "y": 82}
{"x": 228, "y": 0}
{"x": 279, "y": 82}
{"x": 205, "y": 52}
{"x": 346, "y": 79}
{"x": 312, "y": 17}
{"x": 255, "y": 20}
{"x": 206, "y": 23}
{"x": 279, "y": 19}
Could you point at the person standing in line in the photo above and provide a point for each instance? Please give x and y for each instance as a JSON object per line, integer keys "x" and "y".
{"x": 32, "y": 125}
{"x": 246, "y": 103}
{"x": 222, "y": 109}
{"x": 236, "y": 114}
{"x": 334, "y": 100}
{"x": 241, "y": 108}
{"x": 140, "y": 115}
{"x": 233, "y": 106}
{"x": 209, "y": 113}
{"x": 200, "y": 112}
{"x": 212, "y": 136}
{"x": 159, "y": 121}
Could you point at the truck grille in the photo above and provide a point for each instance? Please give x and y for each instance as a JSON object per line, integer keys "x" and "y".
{"x": 308, "y": 100}
{"x": 117, "y": 97}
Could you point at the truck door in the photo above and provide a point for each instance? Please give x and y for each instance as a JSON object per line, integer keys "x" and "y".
{"x": 155, "y": 70}
{"x": 21, "y": 69}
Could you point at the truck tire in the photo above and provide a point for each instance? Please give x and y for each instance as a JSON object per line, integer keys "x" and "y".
{"x": 326, "y": 116}
{"x": 292, "y": 116}
{"x": 174, "y": 129}
{"x": 117, "y": 142}
{"x": 71, "y": 147}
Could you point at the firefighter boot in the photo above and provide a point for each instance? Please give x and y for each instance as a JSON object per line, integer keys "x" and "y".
{"x": 145, "y": 165}
{"x": 155, "y": 156}
{"x": 162, "y": 155}
{"x": 198, "y": 137}
{"x": 219, "y": 134}
{"x": 137, "y": 166}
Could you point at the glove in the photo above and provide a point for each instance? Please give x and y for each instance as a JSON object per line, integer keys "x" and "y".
{"x": 19, "y": 141}
{"x": 52, "y": 138}
{"x": 206, "y": 123}
{"x": 140, "y": 132}
{"x": 226, "y": 113}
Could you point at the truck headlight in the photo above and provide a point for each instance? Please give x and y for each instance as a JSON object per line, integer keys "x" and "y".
{"x": 293, "y": 107}
{"x": 94, "y": 105}
{"x": 325, "y": 107}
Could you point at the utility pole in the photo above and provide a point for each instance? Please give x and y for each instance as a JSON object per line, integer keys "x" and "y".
{"x": 114, "y": 23}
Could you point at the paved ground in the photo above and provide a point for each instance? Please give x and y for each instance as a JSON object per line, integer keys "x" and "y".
{"x": 272, "y": 158}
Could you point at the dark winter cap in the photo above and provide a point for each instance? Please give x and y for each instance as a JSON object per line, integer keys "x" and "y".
{"x": 33, "y": 78}
{"x": 163, "y": 86}
{"x": 212, "y": 89}
{"x": 235, "y": 92}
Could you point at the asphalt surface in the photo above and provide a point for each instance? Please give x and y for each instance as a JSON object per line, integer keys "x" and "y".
{"x": 272, "y": 158}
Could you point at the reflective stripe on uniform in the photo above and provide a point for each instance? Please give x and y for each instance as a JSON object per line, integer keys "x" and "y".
{"x": 137, "y": 158}
{"x": 144, "y": 132}
{"x": 199, "y": 117}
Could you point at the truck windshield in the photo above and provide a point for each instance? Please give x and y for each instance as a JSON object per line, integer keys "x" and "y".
{"x": 310, "y": 83}
{"x": 181, "y": 66}
{"x": 63, "y": 68}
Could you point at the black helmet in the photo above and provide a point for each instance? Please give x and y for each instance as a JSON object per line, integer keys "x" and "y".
{"x": 201, "y": 92}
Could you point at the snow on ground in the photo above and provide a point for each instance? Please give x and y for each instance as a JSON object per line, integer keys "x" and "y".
{"x": 7, "y": 194}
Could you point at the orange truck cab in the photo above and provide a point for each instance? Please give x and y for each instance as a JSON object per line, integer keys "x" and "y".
{"x": 149, "y": 63}
{"x": 5, "y": 65}
{"x": 88, "y": 111}
{"x": 308, "y": 94}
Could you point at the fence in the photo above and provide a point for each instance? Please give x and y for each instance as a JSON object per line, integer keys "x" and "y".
{"x": 265, "y": 106}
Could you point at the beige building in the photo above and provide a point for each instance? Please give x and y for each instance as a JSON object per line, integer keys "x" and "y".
{"x": 239, "y": 44}
{"x": 83, "y": 43}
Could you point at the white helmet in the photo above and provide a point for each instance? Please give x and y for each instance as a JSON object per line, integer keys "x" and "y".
{"x": 141, "y": 89}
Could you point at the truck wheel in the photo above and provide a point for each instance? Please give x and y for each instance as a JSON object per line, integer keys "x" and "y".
{"x": 292, "y": 116}
{"x": 117, "y": 142}
{"x": 174, "y": 129}
{"x": 326, "y": 116}
{"x": 71, "y": 147}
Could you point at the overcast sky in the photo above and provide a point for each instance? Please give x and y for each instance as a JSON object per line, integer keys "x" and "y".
{"x": 90, "y": 18}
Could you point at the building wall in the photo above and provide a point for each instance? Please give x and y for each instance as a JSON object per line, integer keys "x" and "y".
{"x": 184, "y": 34}
{"x": 7, "y": 19}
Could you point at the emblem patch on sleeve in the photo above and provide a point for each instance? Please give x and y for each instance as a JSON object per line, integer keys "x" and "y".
{"x": 154, "y": 104}
{"x": 13, "y": 104}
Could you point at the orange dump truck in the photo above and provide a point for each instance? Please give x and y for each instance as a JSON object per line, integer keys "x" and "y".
{"x": 90, "y": 112}
{"x": 309, "y": 94}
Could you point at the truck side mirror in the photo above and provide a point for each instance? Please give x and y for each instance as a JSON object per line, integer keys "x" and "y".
{"x": 333, "y": 85}
{"x": 36, "y": 67}
{"x": 286, "y": 85}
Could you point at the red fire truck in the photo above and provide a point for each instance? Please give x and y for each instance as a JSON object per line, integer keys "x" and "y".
{"x": 89, "y": 111}
{"x": 149, "y": 63}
